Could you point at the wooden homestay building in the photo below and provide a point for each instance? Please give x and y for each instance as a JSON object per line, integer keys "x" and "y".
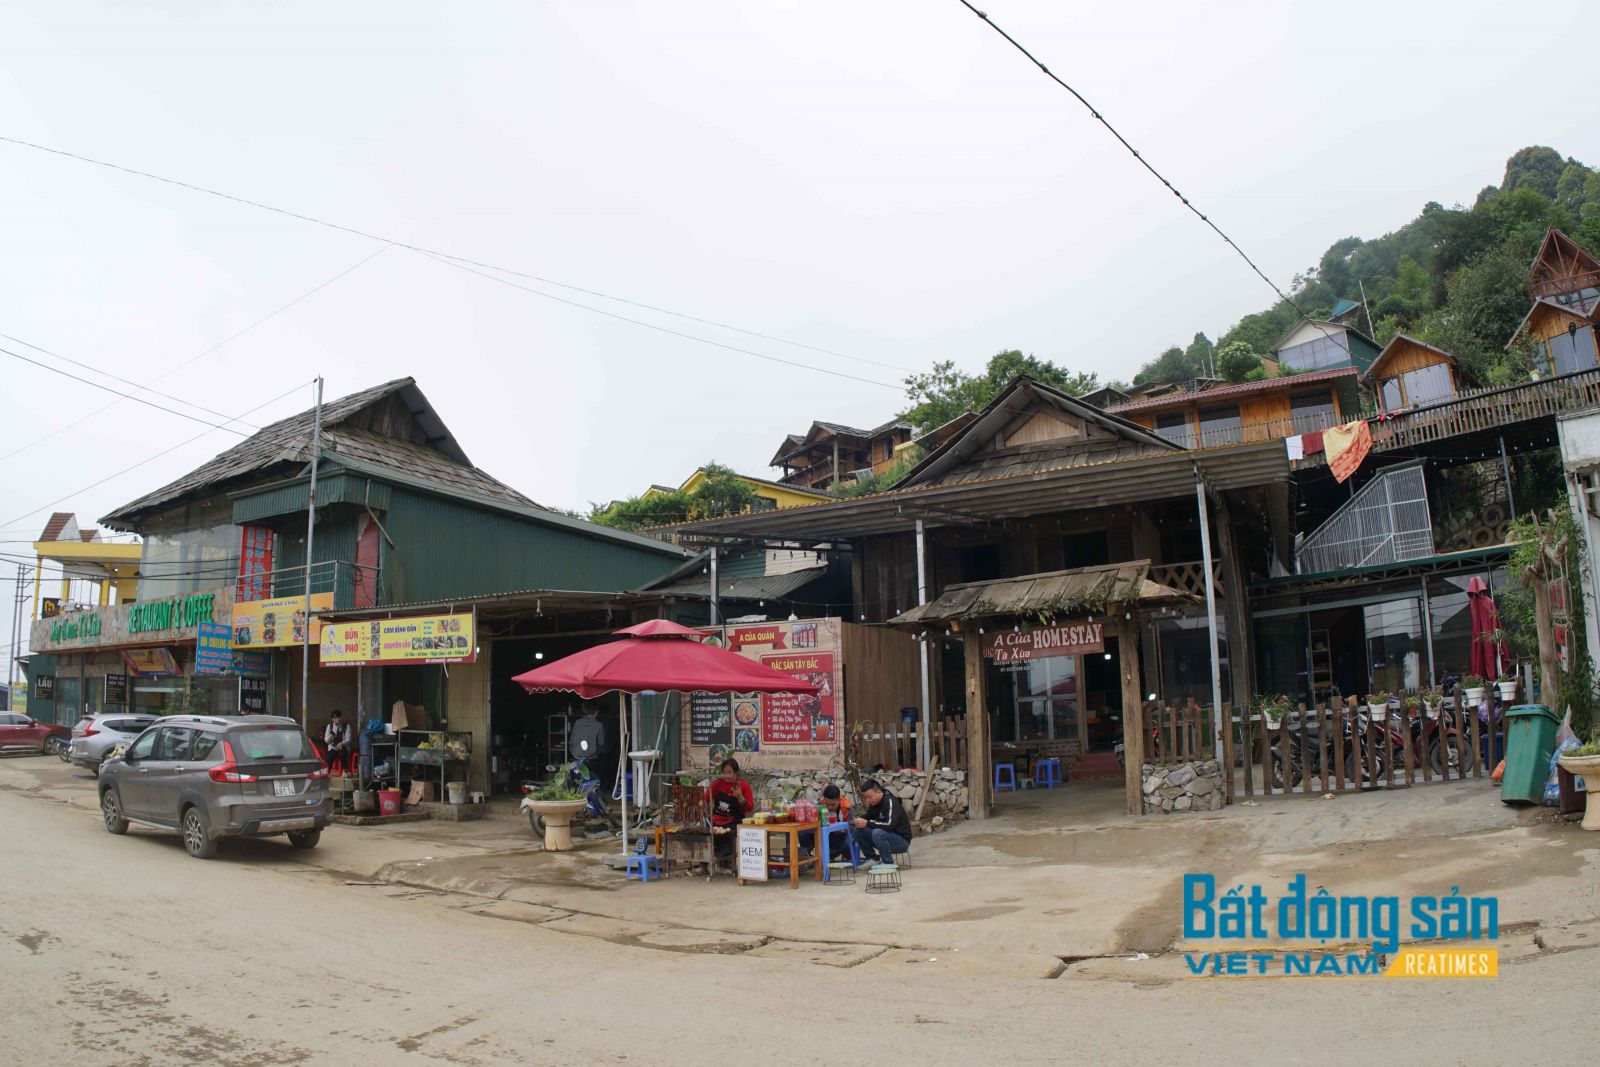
{"x": 1042, "y": 513}
{"x": 1561, "y": 324}
{"x": 830, "y": 452}
{"x": 1409, "y": 373}
{"x": 1220, "y": 414}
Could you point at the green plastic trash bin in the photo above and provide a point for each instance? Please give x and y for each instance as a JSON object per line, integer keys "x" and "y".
{"x": 1530, "y": 739}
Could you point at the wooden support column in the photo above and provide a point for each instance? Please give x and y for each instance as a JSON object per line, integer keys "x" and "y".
{"x": 1133, "y": 724}
{"x": 979, "y": 772}
{"x": 1241, "y": 647}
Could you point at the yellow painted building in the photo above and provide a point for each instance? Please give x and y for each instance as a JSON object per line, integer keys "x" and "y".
{"x": 770, "y": 494}
{"x": 83, "y": 556}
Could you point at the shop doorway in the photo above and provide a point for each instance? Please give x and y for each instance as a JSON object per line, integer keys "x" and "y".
{"x": 1102, "y": 698}
{"x": 528, "y": 731}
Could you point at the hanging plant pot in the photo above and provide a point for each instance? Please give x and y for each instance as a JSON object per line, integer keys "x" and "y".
{"x": 1474, "y": 696}
{"x": 1378, "y": 712}
{"x": 1508, "y": 691}
{"x": 1431, "y": 708}
{"x": 1273, "y": 724}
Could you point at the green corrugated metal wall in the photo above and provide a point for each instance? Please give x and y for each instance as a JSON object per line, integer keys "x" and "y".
{"x": 290, "y": 498}
{"x": 446, "y": 548}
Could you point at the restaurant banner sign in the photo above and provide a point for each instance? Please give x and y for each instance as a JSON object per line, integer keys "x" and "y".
{"x": 413, "y": 639}
{"x": 1042, "y": 642}
{"x": 173, "y": 618}
{"x": 276, "y": 623}
{"x": 151, "y": 661}
{"x": 213, "y": 649}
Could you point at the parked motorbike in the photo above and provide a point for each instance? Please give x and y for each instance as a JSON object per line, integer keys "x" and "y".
{"x": 578, "y": 776}
{"x": 1306, "y": 752}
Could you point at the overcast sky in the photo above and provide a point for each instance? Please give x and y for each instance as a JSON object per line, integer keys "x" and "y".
{"x": 887, "y": 180}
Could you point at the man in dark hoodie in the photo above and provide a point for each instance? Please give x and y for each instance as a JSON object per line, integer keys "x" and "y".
{"x": 884, "y": 829}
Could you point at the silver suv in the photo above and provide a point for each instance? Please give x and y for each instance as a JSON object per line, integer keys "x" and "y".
{"x": 210, "y": 777}
{"x": 96, "y": 735}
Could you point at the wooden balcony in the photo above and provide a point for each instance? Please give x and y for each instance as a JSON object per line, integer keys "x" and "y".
{"x": 1512, "y": 411}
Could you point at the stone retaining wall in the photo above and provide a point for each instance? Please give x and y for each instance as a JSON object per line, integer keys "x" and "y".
{"x": 1193, "y": 786}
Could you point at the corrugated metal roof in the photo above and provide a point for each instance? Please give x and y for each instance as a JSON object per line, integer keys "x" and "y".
{"x": 1043, "y": 595}
{"x": 755, "y": 587}
{"x": 1134, "y": 479}
{"x": 1292, "y": 381}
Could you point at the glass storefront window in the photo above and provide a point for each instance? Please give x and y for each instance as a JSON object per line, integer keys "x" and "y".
{"x": 164, "y": 696}
{"x": 199, "y": 550}
{"x": 1185, "y": 658}
{"x": 1397, "y": 655}
{"x": 1044, "y": 701}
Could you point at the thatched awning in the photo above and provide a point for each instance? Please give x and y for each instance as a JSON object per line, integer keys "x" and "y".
{"x": 1119, "y": 586}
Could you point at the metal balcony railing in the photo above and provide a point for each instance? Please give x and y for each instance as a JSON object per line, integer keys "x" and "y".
{"x": 352, "y": 585}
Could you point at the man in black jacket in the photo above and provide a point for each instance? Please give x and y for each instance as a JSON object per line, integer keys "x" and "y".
{"x": 883, "y": 829}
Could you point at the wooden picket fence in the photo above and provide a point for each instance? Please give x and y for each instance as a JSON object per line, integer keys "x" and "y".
{"x": 1341, "y": 747}
{"x": 896, "y": 744}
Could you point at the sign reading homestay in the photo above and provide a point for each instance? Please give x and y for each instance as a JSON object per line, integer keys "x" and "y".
{"x": 1041, "y": 642}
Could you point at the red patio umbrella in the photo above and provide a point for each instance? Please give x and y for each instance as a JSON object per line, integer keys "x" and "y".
{"x": 1487, "y": 653}
{"x": 656, "y": 656}
{"x": 660, "y": 661}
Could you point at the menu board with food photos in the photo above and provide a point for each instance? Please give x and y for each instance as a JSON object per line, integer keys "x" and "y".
{"x": 710, "y": 719}
{"x": 800, "y": 718}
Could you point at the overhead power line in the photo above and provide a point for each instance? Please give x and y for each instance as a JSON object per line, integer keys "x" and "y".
{"x": 450, "y": 261}
{"x": 1143, "y": 162}
{"x": 118, "y": 378}
{"x": 202, "y": 354}
{"x": 125, "y": 396}
{"x": 439, "y": 253}
{"x": 148, "y": 459}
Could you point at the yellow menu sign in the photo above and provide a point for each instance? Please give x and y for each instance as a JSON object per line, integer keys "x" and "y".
{"x": 275, "y": 623}
{"x": 413, "y": 639}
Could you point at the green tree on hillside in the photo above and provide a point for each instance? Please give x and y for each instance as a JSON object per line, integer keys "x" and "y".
{"x": 721, "y": 492}
{"x": 945, "y": 392}
{"x": 1238, "y": 362}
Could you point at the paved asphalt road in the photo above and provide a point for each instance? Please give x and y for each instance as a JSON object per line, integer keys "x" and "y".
{"x": 123, "y": 950}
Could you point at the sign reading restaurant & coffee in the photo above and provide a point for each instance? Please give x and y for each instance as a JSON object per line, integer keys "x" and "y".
{"x": 1041, "y": 642}
{"x": 170, "y": 618}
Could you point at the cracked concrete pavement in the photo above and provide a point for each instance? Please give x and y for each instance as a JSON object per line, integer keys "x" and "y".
{"x": 462, "y": 941}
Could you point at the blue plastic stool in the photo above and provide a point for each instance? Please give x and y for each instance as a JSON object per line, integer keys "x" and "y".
{"x": 848, "y": 852}
{"x": 1047, "y": 772}
{"x": 1011, "y": 777}
{"x": 643, "y": 867}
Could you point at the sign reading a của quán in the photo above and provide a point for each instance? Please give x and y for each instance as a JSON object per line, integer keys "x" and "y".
{"x": 1040, "y": 642}
{"x": 412, "y": 639}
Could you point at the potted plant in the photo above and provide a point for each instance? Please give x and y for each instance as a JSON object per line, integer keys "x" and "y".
{"x": 1508, "y": 686}
{"x": 1378, "y": 705}
{"x": 1274, "y": 710}
{"x": 554, "y": 804}
{"x": 1473, "y": 686}
{"x": 1584, "y": 763}
{"x": 1432, "y": 702}
{"x": 1410, "y": 704}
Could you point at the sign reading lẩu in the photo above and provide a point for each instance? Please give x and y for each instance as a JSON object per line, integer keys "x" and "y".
{"x": 1040, "y": 642}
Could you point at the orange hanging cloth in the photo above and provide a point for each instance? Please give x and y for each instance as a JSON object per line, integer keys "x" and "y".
{"x": 1346, "y": 447}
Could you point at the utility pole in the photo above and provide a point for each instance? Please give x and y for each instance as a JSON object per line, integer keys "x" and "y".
{"x": 16, "y": 628}
{"x": 311, "y": 532}
{"x": 1372, "y": 333}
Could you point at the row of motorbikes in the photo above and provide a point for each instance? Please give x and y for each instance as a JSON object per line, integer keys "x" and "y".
{"x": 1378, "y": 748}
{"x": 1443, "y": 742}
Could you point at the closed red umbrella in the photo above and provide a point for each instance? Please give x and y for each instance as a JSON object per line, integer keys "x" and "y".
{"x": 1487, "y": 653}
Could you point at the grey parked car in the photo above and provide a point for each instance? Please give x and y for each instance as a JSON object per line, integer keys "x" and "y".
{"x": 96, "y": 735}
{"x": 210, "y": 777}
